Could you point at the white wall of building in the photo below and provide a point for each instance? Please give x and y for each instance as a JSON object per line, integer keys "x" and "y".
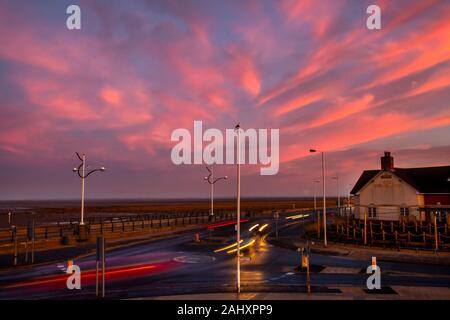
{"x": 388, "y": 193}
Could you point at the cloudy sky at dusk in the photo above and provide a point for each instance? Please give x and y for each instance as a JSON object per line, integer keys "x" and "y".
{"x": 137, "y": 70}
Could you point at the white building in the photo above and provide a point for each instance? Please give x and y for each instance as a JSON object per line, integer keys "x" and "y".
{"x": 397, "y": 193}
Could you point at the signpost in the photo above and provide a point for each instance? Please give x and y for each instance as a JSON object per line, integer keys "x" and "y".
{"x": 305, "y": 264}
{"x": 30, "y": 237}
{"x": 276, "y": 216}
{"x": 14, "y": 234}
{"x": 100, "y": 257}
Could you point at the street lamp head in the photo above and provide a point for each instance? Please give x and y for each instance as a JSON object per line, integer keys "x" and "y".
{"x": 205, "y": 178}
{"x": 226, "y": 177}
{"x": 312, "y": 150}
{"x": 75, "y": 169}
{"x": 102, "y": 169}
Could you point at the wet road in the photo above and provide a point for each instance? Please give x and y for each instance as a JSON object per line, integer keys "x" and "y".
{"x": 180, "y": 266}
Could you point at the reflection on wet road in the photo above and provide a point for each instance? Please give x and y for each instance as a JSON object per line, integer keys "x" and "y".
{"x": 179, "y": 266}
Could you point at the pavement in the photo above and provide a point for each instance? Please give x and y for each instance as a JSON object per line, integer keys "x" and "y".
{"x": 347, "y": 293}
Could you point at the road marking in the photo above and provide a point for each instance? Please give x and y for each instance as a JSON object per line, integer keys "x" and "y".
{"x": 194, "y": 259}
{"x": 341, "y": 270}
{"x": 287, "y": 274}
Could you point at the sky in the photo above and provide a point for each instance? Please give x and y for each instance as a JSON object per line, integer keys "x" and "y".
{"x": 137, "y": 70}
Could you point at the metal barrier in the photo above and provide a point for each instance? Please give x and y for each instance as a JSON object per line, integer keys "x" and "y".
{"x": 100, "y": 225}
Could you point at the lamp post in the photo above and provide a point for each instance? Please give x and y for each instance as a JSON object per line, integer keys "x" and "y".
{"x": 81, "y": 170}
{"x": 238, "y": 214}
{"x": 210, "y": 179}
{"x": 324, "y": 198}
{"x": 315, "y": 208}
{"x": 348, "y": 198}
{"x": 338, "y": 195}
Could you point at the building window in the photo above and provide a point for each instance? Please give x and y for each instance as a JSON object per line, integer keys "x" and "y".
{"x": 404, "y": 212}
{"x": 372, "y": 212}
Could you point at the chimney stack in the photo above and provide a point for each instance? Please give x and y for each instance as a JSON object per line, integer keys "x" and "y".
{"x": 387, "y": 162}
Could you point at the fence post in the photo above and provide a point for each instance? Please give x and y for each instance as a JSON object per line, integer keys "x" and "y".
{"x": 384, "y": 237}
{"x": 436, "y": 243}
{"x": 318, "y": 224}
{"x": 365, "y": 227}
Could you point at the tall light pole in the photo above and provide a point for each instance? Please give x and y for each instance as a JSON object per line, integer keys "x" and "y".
{"x": 210, "y": 179}
{"x": 81, "y": 170}
{"x": 315, "y": 196}
{"x": 238, "y": 214}
{"x": 315, "y": 207}
{"x": 338, "y": 195}
{"x": 324, "y": 198}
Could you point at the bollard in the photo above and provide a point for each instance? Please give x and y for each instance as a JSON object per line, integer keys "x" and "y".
{"x": 197, "y": 238}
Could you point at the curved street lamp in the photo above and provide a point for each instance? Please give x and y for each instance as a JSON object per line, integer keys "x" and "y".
{"x": 211, "y": 180}
{"x": 81, "y": 170}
